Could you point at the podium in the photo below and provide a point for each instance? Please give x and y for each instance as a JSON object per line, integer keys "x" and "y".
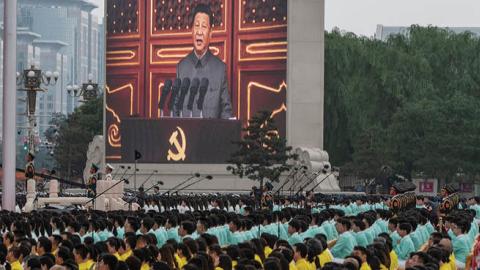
{"x": 179, "y": 140}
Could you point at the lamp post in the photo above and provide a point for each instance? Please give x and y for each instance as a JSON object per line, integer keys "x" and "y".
{"x": 32, "y": 80}
{"x": 88, "y": 90}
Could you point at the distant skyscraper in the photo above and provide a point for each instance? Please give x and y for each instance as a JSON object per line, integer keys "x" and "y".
{"x": 383, "y": 32}
{"x": 61, "y": 35}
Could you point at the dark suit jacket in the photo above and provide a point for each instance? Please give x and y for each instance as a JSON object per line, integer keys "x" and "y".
{"x": 217, "y": 99}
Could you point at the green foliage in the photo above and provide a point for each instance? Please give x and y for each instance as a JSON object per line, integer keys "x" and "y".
{"x": 262, "y": 154}
{"x": 54, "y": 123}
{"x": 74, "y": 135}
{"x": 412, "y": 102}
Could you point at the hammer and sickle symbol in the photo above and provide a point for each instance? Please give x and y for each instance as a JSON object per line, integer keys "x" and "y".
{"x": 179, "y": 153}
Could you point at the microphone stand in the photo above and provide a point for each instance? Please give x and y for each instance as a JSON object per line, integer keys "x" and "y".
{"x": 316, "y": 185}
{"x": 295, "y": 183}
{"x": 308, "y": 183}
{"x": 175, "y": 187}
{"x": 191, "y": 184}
{"x": 115, "y": 172}
{"x": 98, "y": 195}
{"x": 148, "y": 189}
{"x": 287, "y": 180}
{"x": 125, "y": 172}
{"x": 148, "y": 178}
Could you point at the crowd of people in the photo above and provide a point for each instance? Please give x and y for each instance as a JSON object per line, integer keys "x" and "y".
{"x": 224, "y": 232}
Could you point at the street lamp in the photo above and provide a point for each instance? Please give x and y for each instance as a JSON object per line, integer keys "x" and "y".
{"x": 32, "y": 80}
{"x": 88, "y": 90}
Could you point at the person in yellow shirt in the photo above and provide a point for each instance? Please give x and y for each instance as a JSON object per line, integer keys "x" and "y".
{"x": 362, "y": 253}
{"x": 446, "y": 244}
{"x": 113, "y": 244}
{"x": 442, "y": 257}
{"x": 300, "y": 251}
{"x": 14, "y": 257}
{"x": 80, "y": 254}
{"x": 183, "y": 255}
{"x": 392, "y": 254}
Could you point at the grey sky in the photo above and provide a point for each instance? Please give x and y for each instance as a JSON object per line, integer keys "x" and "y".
{"x": 99, "y": 11}
{"x": 362, "y": 16}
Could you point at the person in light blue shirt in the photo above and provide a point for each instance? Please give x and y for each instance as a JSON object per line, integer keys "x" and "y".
{"x": 357, "y": 227}
{"x": 294, "y": 228}
{"x": 461, "y": 246}
{"x": 346, "y": 241}
{"x": 405, "y": 245}
{"x": 474, "y": 204}
{"x": 234, "y": 237}
{"x": 392, "y": 230}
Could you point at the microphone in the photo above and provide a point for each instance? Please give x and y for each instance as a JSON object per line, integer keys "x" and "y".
{"x": 175, "y": 90}
{"x": 183, "y": 93}
{"x": 193, "y": 92}
{"x": 165, "y": 91}
{"x": 160, "y": 183}
{"x": 201, "y": 96}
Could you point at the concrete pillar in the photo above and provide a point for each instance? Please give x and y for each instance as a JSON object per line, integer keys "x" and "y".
{"x": 53, "y": 189}
{"x": 305, "y": 73}
{"x": 9, "y": 103}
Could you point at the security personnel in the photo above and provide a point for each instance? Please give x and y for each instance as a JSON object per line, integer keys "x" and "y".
{"x": 108, "y": 172}
{"x": 30, "y": 167}
{"x": 92, "y": 181}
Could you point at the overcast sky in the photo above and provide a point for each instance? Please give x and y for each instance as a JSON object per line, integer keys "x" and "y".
{"x": 362, "y": 16}
{"x": 99, "y": 11}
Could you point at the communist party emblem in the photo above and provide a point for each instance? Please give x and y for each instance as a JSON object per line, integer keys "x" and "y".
{"x": 179, "y": 143}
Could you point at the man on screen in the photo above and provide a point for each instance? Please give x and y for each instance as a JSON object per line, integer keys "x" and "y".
{"x": 201, "y": 63}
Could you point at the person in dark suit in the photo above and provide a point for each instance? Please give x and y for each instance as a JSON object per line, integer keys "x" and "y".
{"x": 201, "y": 63}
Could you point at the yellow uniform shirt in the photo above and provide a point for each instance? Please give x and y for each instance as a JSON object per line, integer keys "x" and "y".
{"x": 302, "y": 264}
{"x": 393, "y": 260}
{"x": 325, "y": 257}
{"x": 16, "y": 265}
{"x": 267, "y": 250}
{"x": 117, "y": 255}
{"x": 292, "y": 266}
{"x": 452, "y": 264}
{"x": 445, "y": 266}
{"x": 181, "y": 262}
{"x": 85, "y": 265}
{"x": 365, "y": 266}
{"x": 145, "y": 266}
{"x": 125, "y": 255}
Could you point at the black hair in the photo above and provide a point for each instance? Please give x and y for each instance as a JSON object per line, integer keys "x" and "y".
{"x": 133, "y": 263}
{"x": 45, "y": 243}
{"x": 109, "y": 260}
{"x": 202, "y": 8}
{"x": 405, "y": 227}
{"x": 302, "y": 249}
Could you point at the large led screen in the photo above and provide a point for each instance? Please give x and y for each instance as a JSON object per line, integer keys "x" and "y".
{"x": 178, "y": 70}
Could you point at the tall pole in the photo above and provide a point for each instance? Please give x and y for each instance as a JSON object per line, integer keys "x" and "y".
{"x": 9, "y": 103}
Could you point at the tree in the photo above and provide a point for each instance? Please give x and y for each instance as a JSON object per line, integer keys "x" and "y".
{"x": 411, "y": 103}
{"x": 55, "y": 122}
{"x": 262, "y": 154}
{"x": 74, "y": 135}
